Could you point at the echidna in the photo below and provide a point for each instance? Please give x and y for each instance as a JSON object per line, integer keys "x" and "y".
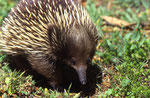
{"x": 50, "y": 34}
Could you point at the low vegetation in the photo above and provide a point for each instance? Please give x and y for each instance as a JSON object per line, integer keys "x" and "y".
{"x": 123, "y": 53}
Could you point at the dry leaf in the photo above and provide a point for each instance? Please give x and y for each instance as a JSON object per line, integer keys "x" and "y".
{"x": 115, "y": 21}
{"x": 84, "y": 4}
{"x": 110, "y": 4}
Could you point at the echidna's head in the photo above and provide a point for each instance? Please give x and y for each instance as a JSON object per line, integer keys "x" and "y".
{"x": 76, "y": 48}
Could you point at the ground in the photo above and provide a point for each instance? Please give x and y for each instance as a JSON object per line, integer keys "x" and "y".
{"x": 123, "y": 52}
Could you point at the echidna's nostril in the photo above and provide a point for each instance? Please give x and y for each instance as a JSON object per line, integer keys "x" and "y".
{"x": 83, "y": 82}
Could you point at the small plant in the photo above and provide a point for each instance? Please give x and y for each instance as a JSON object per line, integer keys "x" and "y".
{"x": 12, "y": 82}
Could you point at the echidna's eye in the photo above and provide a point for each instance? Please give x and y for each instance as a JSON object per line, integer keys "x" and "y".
{"x": 73, "y": 62}
{"x": 88, "y": 61}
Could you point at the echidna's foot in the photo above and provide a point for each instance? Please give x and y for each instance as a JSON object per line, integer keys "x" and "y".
{"x": 56, "y": 84}
{"x": 58, "y": 88}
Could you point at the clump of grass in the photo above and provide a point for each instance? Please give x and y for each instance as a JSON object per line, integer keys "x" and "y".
{"x": 13, "y": 82}
{"x": 5, "y": 6}
{"x": 124, "y": 55}
{"x": 133, "y": 46}
{"x": 130, "y": 56}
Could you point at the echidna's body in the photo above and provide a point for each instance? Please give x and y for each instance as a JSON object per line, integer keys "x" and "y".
{"x": 49, "y": 34}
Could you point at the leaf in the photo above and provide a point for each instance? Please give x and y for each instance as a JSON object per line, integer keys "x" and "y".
{"x": 142, "y": 41}
{"x": 24, "y": 92}
{"x": 10, "y": 90}
{"x": 66, "y": 93}
{"x": 76, "y": 95}
{"x": 115, "y": 21}
{"x": 99, "y": 53}
{"x": 69, "y": 88}
{"x": 133, "y": 47}
{"x": 46, "y": 91}
{"x": 84, "y": 4}
{"x": 109, "y": 92}
{"x": 8, "y": 80}
{"x": 125, "y": 82}
{"x": 136, "y": 36}
{"x": 111, "y": 46}
{"x": 127, "y": 36}
{"x": 2, "y": 57}
{"x": 4, "y": 95}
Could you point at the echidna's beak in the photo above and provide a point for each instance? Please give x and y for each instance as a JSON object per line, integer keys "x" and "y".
{"x": 81, "y": 70}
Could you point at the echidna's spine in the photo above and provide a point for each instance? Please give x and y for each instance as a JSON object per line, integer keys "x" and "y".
{"x": 25, "y": 28}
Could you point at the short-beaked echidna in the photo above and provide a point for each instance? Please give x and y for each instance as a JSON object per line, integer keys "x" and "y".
{"x": 50, "y": 34}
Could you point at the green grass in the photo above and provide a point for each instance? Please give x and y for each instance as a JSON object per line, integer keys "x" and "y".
{"x": 5, "y": 6}
{"x": 124, "y": 55}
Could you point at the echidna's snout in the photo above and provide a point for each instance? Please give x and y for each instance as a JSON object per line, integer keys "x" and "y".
{"x": 81, "y": 70}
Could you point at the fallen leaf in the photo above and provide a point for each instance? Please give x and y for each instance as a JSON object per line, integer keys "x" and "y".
{"x": 115, "y": 21}
{"x": 110, "y": 4}
{"x": 84, "y": 4}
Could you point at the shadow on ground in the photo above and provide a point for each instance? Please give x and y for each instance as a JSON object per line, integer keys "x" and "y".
{"x": 70, "y": 76}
